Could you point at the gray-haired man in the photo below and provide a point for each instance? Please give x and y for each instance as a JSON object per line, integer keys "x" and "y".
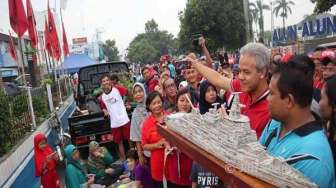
{"x": 252, "y": 82}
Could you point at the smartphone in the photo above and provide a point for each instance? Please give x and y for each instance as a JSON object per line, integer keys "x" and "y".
{"x": 195, "y": 39}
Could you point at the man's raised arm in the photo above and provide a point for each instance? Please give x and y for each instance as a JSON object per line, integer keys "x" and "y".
{"x": 211, "y": 75}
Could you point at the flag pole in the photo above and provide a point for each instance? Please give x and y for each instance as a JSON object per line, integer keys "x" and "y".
{"x": 57, "y": 81}
{"x": 46, "y": 61}
{"x": 50, "y": 62}
{"x": 30, "y": 100}
{"x": 22, "y": 65}
{"x": 45, "y": 55}
{"x": 62, "y": 65}
{"x": 59, "y": 89}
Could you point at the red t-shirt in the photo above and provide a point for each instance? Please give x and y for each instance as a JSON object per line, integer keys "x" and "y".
{"x": 318, "y": 84}
{"x": 152, "y": 83}
{"x": 185, "y": 169}
{"x": 258, "y": 111}
{"x": 122, "y": 89}
{"x": 150, "y": 135}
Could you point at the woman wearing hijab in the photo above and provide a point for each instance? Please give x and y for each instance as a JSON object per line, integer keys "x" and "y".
{"x": 100, "y": 163}
{"x": 138, "y": 116}
{"x": 208, "y": 96}
{"x": 75, "y": 176}
{"x": 45, "y": 162}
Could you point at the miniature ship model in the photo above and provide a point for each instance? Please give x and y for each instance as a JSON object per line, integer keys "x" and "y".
{"x": 231, "y": 140}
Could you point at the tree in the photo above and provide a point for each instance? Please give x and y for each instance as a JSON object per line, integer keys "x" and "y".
{"x": 220, "y": 21}
{"x": 323, "y": 5}
{"x": 283, "y": 7}
{"x": 258, "y": 8}
{"x": 142, "y": 51}
{"x": 111, "y": 51}
{"x": 253, "y": 11}
{"x": 149, "y": 46}
{"x": 151, "y": 26}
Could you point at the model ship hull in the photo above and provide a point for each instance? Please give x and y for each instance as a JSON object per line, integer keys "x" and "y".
{"x": 233, "y": 142}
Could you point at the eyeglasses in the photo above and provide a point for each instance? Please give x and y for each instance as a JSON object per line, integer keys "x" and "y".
{"x": 169, "y": 86}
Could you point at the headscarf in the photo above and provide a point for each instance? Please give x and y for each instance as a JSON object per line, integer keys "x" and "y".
{"x": 204, "y": 106}
{"x": 69, "y": 150}
{"x": 143, "y": 88}
{"x": 94, "y": 161}
{"x": 40, "y": 156}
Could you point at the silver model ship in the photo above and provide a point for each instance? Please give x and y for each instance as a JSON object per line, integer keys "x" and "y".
{"x": 231, "y": 140}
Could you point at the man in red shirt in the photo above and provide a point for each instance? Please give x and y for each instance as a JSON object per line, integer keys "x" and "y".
{"x": 122, "y": 89}
{"x": 151, "y": 80}
{"x": 252, "y": 82}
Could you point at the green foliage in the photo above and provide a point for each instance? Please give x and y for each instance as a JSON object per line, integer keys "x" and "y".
{"x": 126, "y": 81}
{"x": 323, "y": 5}
{"x": 4, "y": 123}
{"x": 19, "y": 105}
{"x": 149, "y": 46}
{"x": 111, "y": 51}
{"x": 15, "y": 117}
{"x": 40, "y": 107}
{"x": 220, "y": 21}
{"x": 151, "y": 26}
{"x": 46, "y": 81}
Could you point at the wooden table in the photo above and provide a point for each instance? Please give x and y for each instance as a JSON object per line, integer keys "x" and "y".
{"x": 228, "y": 174}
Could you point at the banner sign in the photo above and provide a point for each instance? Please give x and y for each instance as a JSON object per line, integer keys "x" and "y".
{"x": 316, "y": 27}
{"x": 82, "y": 40}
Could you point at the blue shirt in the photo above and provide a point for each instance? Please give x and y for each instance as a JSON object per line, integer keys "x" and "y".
{"x": 172, "y": 70}
{"x": 307, "y": 139}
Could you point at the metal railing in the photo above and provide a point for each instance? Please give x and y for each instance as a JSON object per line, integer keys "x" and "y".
{"x": 16, "y": 119}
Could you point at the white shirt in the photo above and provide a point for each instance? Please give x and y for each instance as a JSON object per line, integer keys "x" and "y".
{"x": 116, "y": 108}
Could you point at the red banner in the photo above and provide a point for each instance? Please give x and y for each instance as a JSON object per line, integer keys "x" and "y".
{"x": 31, "y": 24}
{"x": 17, "y": 17}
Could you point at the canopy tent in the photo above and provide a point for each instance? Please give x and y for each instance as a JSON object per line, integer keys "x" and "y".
{"x": 73, "y": 62}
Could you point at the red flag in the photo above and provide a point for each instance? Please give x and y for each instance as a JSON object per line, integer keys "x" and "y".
{"x": 52, "y": 36}
{"x": 11, "y": 47}
{"x": 46, "y": 38}
{"x": 65, "y": 42}
{"x": 17, "y": 17}
{"x": 31, "y": 24}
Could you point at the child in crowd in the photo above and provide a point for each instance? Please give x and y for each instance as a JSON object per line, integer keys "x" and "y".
{"x": 139, "y": 174}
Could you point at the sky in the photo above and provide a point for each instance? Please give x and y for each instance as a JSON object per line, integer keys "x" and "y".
{"x": 122, "y": 20}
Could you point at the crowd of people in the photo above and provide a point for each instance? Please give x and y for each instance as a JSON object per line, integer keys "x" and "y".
{"x": 289, "y": 99}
